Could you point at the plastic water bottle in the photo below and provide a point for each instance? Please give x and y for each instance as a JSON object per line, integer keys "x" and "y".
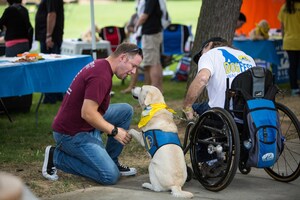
{"x": 211, "y": 162}
{"x": 247, "y": 144}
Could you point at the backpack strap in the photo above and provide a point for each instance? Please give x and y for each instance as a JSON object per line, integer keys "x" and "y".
{"x": 259, "y": 87}
{"x": 245, "y": 94}
{"x": 271, "y": 93}
{"x": 258, "y": 82}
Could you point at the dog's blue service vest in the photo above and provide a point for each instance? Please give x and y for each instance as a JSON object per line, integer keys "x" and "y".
{"x": 154, "y": 139}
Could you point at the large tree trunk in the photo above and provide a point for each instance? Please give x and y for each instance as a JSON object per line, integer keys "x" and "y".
{"x": 217, "y": 18}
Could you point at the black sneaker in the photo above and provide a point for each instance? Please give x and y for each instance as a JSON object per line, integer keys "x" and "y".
{"x": 49, "y": 170}
{"x": 126, "y": 171}
{"x": 295, "y": 92}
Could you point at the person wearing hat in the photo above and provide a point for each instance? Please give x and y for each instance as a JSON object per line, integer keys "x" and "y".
{"x": 217, "y": 61}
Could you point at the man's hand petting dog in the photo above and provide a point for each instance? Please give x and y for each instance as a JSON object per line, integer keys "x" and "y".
{"x": 123, "y": 136}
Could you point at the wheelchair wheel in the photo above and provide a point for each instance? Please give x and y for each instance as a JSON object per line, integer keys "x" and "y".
{"x": 287, "y": 167}
{"x": 215, "y": 149}
{"x": 189, "y": 174}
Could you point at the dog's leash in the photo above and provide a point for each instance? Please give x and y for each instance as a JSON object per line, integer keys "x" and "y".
{"x": 185, "y": 119}
{"x": 180, "y": 118}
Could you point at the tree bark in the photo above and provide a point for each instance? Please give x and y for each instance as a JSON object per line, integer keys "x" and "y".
{"x": 217, "y": 18}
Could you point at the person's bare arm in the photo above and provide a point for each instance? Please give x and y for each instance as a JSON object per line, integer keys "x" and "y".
{"x": 142, "y": 19}
{"x": 195, "y": 89}
{"x": 89, "y": 112}
{"x": 51, "y": 21}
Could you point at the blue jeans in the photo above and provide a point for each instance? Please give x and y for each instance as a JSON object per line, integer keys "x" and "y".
{"x": 85, "y": 153}
{"x": 200, "y": 108}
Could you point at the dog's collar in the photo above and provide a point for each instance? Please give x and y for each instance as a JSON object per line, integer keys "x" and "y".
{"x": 149, "y": 112}
{"x": 154, "y": 139}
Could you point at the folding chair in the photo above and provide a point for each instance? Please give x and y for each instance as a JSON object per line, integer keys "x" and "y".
{"x": 175, "y": 38}
{"x": 114, "y": 34}
{"x": 5, "y": 110}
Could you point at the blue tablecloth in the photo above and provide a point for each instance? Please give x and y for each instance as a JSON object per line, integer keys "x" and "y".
{"x": 262, "y": 49}
{"x": 269, "y": 51}
{"x": 49, "y": 75}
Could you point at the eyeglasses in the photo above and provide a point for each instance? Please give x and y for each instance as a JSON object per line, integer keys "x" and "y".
{"x": 136, "y": 50}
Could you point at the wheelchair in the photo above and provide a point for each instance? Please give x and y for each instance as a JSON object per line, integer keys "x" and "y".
{"x": 216, "y": 139}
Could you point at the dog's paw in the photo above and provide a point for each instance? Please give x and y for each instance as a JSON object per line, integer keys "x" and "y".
{"x": 148, "y": 186}
{"x": 137, "y": 135}
{"x": 133, "y": 132}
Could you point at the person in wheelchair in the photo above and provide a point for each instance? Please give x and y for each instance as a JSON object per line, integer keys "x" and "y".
{"x": 217, "y": 61}
{"x": 216, "y": 140}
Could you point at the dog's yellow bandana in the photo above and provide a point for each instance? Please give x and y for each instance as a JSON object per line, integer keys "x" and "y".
{"x": 149, "y": 112}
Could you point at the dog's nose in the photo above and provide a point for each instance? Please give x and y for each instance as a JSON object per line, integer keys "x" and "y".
{"x": 132, "y": 90}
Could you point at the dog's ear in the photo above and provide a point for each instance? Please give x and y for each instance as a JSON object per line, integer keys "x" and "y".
{"x": 153, "y": 96}
{"x": 148, "y": 98}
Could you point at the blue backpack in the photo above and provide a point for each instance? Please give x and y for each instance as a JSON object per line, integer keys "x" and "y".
{"x": 183, "y": 69}
{"x": 255, "y": 98}
{"x": 265, "y": 133}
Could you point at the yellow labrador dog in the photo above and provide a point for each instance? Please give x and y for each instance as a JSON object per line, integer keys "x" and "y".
{"x": 167, "y": 169}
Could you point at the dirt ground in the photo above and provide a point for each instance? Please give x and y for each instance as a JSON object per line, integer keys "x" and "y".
{"x": 31, "y": 172}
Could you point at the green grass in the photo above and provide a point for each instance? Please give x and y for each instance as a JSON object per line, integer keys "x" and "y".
{"x": 78, "y": 16}
{"x": 23, "y": 141}
{"x": 78, "y": 19}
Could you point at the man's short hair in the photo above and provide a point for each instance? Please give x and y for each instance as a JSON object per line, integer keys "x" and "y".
{"x": 129, "y": 48}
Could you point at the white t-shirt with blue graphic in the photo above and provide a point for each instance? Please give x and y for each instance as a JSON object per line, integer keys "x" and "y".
{"x": 223, "y": 63}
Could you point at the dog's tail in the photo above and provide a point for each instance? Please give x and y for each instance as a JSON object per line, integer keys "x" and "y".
{"x": 177, "y": 192}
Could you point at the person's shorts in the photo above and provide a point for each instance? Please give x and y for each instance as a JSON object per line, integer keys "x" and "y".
{"x": 151, "y": 49}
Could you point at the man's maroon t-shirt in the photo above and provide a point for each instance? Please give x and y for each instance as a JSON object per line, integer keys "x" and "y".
{"x": 93, "y": 82}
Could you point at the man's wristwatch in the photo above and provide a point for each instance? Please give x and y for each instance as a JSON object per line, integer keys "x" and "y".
{"x": 114, "y": 132}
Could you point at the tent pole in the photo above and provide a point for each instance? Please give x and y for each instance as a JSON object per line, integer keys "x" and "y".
{"x": 93, "y": 30}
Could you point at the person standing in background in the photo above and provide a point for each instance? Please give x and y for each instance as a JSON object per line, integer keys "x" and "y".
{"x": 151, "y": 24}
{"x": 134, "y": 37}
{"x": 15, "y": 23}
{"x": 15, "y": 20}
{"x": 49, "y": 29}
{"x": 240, "y": 22}
{"x": 289, "y": 17}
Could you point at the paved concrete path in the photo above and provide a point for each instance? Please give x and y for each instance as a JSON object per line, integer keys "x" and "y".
{"x": 256, "y": 185}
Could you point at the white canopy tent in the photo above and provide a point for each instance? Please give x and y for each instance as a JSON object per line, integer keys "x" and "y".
{"x": 94, "y": 53}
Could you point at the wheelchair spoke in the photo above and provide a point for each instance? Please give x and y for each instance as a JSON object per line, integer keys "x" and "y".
{"x": 287, "y": 167}
{"x": 209, "y": 128}
{"x": 213, "y": 149}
